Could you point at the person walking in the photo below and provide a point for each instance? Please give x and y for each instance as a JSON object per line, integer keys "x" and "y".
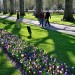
{"x": 41, "y": 18}
{"x": 47, "y": 18}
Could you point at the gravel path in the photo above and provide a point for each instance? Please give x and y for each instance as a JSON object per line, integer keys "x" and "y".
{"x": 60, "y": 28}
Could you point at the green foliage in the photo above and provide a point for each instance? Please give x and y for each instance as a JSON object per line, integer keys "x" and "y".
{"x": 57, "y": 18}
{"x": 6, "y": 67}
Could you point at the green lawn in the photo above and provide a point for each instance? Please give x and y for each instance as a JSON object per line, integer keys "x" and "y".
{"x": 57, "y": 44}
{"x": 55, "y": 18}
{"x": 6, "y": 67}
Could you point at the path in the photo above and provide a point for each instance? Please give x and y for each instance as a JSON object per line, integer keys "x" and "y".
{"x": 56, "y": 27}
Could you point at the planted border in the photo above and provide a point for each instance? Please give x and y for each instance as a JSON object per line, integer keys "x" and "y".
{"x": 32, "y": 61}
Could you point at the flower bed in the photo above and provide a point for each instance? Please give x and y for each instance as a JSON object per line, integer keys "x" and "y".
{"x": 33, "y": 61}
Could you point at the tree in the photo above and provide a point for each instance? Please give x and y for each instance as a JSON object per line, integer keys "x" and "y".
{"x": 29, "y": 4}
{"x": 4, "y": 6}
{"x": 22, "y": 13}
{"x": 0, "y": 6}
{"x": 38, "y": 7}
{"x": 68, "y": 12}
{"x": 17, "y": 5}
{"x": 12, "y": 10}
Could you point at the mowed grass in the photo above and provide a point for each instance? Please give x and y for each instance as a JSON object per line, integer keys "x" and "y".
{"x": 55, "y": 18}
{"x": 59, "y": 45}
{"x": 6, "y": 67}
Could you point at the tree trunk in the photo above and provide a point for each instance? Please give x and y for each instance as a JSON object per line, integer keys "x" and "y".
{"x": 4, "y": 6}
{"x": 0, "y": 6}
{"x": 38, "y": 7}
{"x": 12, "y": 10}
{"x": 22, "y": 13}
{"x": 68, "y": 12}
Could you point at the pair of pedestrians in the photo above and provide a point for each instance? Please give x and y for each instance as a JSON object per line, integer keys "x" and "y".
{"x": 44, "y": 18}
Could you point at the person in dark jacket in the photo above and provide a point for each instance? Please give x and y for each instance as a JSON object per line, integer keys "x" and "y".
{"x": 47, "y": 18}
{"x": 41, "y": 18}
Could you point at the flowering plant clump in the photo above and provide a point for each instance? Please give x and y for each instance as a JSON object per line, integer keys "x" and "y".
{"x": 33, "y": 61}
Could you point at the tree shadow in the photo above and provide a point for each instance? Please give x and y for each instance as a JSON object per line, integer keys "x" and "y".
{"x": 3, "y": 20}
{"x": 64, "y": 46}
{"x": 8, "y": 23}
{"x": 6, "y": 69}
{"x": 61, "y": 53}
{"x": 73, "y": 22}
{"x": 15, "y": 31}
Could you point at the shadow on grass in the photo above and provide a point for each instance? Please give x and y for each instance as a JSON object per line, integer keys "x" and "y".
{"x": 4, "y": 21}
{"x": 6, "y": 67}
{"x": 73, "y": 22}
{"x": 15, "y": 31}
{"x": 64, "y": 46}
{"x": 9, "y": 24}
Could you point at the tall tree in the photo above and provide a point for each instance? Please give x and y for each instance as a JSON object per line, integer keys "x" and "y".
{"x": 68, "y": 13}
{"x": 22, "y": 13}
{"x": 5, "y": 7}
{"x": 0, "y": 6}
{"x": 29, "y": 4}
{"x": 16, "y": 4}
{"x": 38, "y": 7}
{"x": 12, "y": 10}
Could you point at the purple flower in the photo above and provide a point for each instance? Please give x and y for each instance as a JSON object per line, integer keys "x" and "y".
{"x": 40, "y": 72}
{"x": 66, "y": 73}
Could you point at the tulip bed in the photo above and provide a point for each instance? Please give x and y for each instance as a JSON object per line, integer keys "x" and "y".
{"x": 31, "y": 60}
